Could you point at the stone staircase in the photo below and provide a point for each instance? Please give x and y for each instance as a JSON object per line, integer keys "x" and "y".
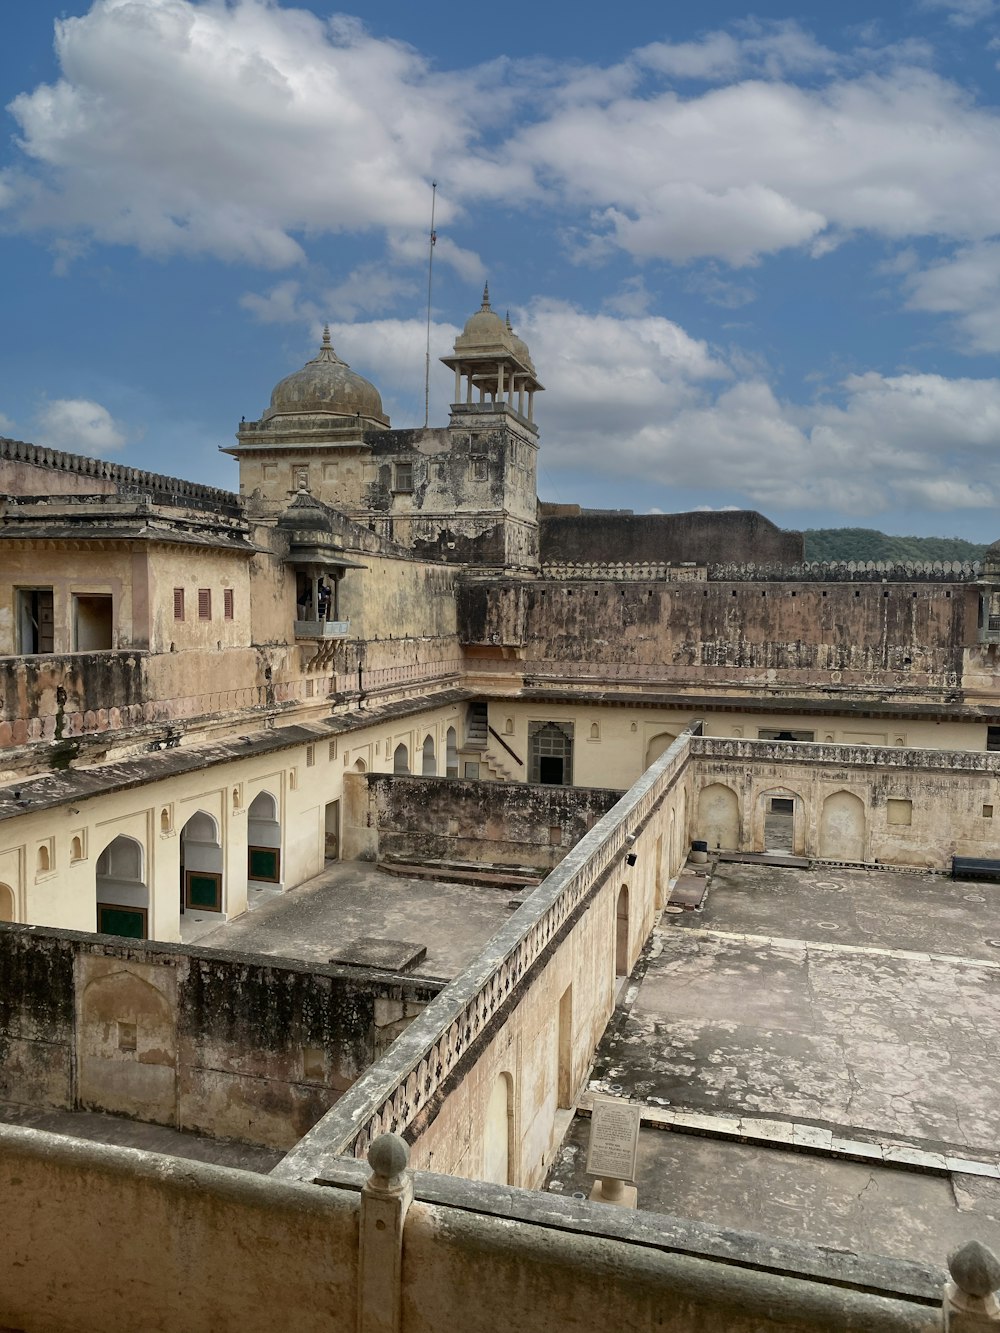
{"x": 477, "y": 739}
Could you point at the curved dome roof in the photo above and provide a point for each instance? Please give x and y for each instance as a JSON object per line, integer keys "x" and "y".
{"x": 484, "y": 329}
{"x": 326, "y": 386}
{"x": 519, "y": 347}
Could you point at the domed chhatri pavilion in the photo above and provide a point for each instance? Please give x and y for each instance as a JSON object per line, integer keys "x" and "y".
{"x": 326, "y": 387}
{"x": 465, "y": 492}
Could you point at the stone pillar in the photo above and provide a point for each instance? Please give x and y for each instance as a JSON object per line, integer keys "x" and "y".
{"x": 531, "y": 405}
{"x": 458, "y": 384}
{"x": 385, "y": 1198}
{"x": 499, "y": 381}
{"x": 970, "y": 1303}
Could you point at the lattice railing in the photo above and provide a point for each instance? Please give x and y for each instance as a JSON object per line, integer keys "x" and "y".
{"x": 389, "y": 1094}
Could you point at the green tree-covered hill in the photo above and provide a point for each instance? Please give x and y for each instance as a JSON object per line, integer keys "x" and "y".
{"x": 868, "y": 544}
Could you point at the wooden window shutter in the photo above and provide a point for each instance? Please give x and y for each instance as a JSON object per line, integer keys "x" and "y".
{"x": 178, "y": 603}
{"x": 204, "y": 603}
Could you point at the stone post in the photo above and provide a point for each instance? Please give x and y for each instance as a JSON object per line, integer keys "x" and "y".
{"x": 385, "y": 1198}
{"x": 970, "y": 1304}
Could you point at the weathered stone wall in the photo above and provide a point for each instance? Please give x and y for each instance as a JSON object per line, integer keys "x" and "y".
{"x": 445, "y": 819}
{"x": 33, "y": 469}
{"x": 209, "y": 1249}
{"x": 238, "y": 1046}
{"x": 851, "y": 803}
{"x": 729, "y": 634}
{"x": 703, "y": 537}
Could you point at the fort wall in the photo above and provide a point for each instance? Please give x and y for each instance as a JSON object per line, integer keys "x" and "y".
{"x": 232, "y": 1045}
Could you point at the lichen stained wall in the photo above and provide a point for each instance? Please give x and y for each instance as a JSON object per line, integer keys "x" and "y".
{"x": 446, "y": 819}
{"x": 231, "y": 1045}
{"x": 741, "y": 635}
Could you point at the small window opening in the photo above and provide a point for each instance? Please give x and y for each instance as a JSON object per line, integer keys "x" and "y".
{"x": 204, "y": 603}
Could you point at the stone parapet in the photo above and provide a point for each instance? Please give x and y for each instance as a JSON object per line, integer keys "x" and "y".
{"x": 867, "y": 756}
{"x": 388, "y": 1097}
{"x": 848, "y": 571}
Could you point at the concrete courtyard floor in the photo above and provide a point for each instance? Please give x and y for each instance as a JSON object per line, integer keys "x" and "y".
{"x": 350, "y": 900}
{"x": 863, "y": 1003}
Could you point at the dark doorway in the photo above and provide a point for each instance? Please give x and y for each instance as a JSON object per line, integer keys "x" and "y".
{"x": 550, "y": 769}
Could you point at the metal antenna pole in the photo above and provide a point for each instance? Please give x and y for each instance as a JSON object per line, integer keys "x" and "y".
{"x": 430, "y": 278}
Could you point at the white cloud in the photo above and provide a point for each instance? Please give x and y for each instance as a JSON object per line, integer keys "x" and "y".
{"x": 963, "y": 13}
{"x": 232, "y": 129}
{"x": 773, "y": 49}
{"x": 6, "y": 425}
{"x": 637, "y": 396}
{"x": 242, "y": 129}
{"x": 755, "y": 167}
{"x": 81, "y": 426}
{"x": 966, "y": 286}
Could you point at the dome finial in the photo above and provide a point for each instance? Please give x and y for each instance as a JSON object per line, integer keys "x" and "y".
{"x": 510, "y": 327}
{"x": 486, "y": 296}
{"x": 326, "y": 336}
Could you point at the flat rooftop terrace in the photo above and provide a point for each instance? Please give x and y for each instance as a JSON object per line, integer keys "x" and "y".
{"x": 820, "y": 1051}
{"x": 352, "y": 900}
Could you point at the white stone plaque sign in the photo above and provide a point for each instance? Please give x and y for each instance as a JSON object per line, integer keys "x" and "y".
{"x": 614, "y": 1139}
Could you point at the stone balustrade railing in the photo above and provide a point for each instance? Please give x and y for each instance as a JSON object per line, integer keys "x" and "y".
{"x": 868, "y": 756}
{"x": 72, "y": 721}
{"x": 637, "y": 571}
{"x": 391, "y": 1092}
{"x": 848, "y": 571}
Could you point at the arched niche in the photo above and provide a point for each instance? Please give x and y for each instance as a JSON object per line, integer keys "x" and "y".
{"x": 121, "y": 892}
{"x": 842, "y": 828}
{"x": 428, "y": 759}
{"x": 263, "y": 841}
{"x": 658, "y": 745}
{"x": 360, "y": 766}
{"x": 201, "y": 864}
{"x": 622, "y": 933}
{"x": 7, "y": 908}
{"x": 498, "y": 1145}
{"x": 451, "y": 753}
{"x": 719, "y": 817}
{"x": 401, "y": 759}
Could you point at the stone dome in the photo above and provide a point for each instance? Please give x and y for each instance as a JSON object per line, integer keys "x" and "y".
{"x": 305, "y": 514}
{"x": 520, "y": 348}
{"x": 326, "y": 386}
{"x": 484, "y": 329}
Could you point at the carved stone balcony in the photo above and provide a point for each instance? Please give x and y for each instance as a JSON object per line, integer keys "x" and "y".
{"x": 322, "y": 629}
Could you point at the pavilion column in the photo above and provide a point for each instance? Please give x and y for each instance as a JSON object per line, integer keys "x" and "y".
{"x": 499, "y": 395}
{"x": 458, "y": 384}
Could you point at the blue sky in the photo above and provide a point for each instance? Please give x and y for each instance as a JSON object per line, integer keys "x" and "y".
{"x": 755, "y": 252}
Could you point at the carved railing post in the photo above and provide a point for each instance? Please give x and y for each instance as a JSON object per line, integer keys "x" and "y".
{"x": 970, "y": 1303}
{"x": 385, "y": 1198}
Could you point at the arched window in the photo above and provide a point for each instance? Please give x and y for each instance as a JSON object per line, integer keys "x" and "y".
{"x": 122, "y": 895}
{"x": 201, "y": 864}
{"x": 43, "y": 861}
{"x": 451, "y": 753}
{"x": 401, "y": 759}
{"x": 360, "y": 766}
{"x": 6, "y": 903}
{"x": 263, "y": 841}
{"x": 428, "y": 767}
{"x": 76, "y": 848}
